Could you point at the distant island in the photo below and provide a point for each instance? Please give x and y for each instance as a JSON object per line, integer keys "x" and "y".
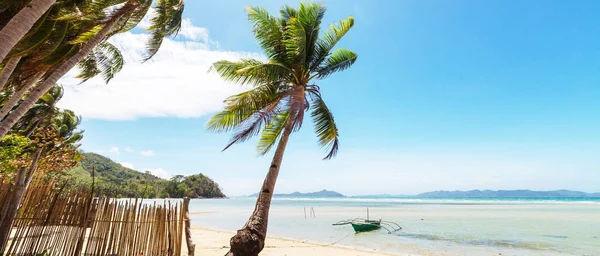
{"x": 320, "y": 194}
{"x": 114, "y": 180}
{"x": 509, "y": 194}
{"x": 451, "y": 194}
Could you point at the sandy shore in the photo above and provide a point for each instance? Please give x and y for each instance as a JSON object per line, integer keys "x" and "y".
{"x": 216, "y": 243}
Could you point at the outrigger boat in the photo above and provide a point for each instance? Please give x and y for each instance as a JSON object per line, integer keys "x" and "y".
{"x": 363, "y": 225}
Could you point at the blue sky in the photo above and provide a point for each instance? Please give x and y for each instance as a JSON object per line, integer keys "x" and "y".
{"x": 444, "y": 95}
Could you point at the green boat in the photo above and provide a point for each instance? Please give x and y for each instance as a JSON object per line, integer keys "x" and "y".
{"x": 367, "y": 225}
{"x": 363, "y": 225}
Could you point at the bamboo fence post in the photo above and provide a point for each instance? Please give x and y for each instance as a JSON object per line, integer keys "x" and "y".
{"x": 188, "y": 233}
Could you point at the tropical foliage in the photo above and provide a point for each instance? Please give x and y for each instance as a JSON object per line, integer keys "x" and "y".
{"x": 283, "y": 88}
{"x": 13, "y": 147}
{"x": 41, "y": 145}
{"x": 45, "y": 127}
{"x": 66, "y": 34}
{"x": 114, "y": 180}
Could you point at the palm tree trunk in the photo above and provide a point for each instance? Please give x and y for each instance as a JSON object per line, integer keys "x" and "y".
{"x": 8, "y": 69}
{"x": 9, "y": 210}
{"x": 250, "y": 240}
{"x": 21, "y": 23}
{"x": 18, "y": 95}
{"x": 41, "y": 89}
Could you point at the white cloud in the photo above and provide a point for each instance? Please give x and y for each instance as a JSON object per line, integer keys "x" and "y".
{"x": 191, "y": 32}
{"x": 114, "y": 149}
{"x": 174, "y": 83}
{"x": 146, "y": 153}
{"x": 128, "y": 165}
{"x": 160, "y": 172}
{"x": 129, "y": 149}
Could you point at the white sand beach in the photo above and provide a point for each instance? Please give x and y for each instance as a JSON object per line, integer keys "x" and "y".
{"x": 211, "y": 242}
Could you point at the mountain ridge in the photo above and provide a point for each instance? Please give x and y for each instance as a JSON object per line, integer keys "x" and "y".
{"x": 115, "y": 180}
{"x": 319, "y": 194}
{"x": 519, "y": 193}
{"x": 476, "y": 193}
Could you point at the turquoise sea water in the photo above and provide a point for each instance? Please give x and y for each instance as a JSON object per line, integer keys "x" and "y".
{"x": 430, "y": 226}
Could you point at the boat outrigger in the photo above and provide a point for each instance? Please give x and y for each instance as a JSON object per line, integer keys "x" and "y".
{"x": 363, "y": 225}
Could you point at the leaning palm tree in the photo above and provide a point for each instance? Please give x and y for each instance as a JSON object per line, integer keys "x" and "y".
{"x": 284, "y": 87}
{"x": 124, "y": 16}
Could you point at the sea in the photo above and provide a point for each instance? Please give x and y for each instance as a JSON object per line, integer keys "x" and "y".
{"x": 508, "y": 226}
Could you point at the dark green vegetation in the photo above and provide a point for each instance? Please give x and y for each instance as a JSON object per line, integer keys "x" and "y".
{"x": 115, "y": 180}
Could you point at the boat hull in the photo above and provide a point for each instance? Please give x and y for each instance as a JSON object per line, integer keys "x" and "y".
{"x": 363, "y": 227}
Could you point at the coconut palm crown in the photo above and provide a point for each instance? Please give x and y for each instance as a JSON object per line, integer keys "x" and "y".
{"x": 284, "y": 86}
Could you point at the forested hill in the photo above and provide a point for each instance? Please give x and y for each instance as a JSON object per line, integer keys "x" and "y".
{"x": 115, "y": 180}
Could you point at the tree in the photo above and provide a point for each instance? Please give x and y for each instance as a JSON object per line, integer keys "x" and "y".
{"x": 44, "y": 141}
{"x": 284, "y": 87}
{"x": 7, "y": 70}
{"x": 13, "y": 146}
{"x": 124, "y": 16}
{"x": 20, "y": 24}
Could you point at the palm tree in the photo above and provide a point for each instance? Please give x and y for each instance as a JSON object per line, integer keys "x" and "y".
{"x": 13, "y": 99}
{"x": 284, "y": 87}
{"x": 124, "y": 18}
{"x": 42, "y": 114}
{"x": 59, "y": 145}
{"x": 7, "y": 70}
{"x": 58, "y": 152}
{"x": 20, "y": 24}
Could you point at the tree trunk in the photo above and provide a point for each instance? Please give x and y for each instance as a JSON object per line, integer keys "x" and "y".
{"x": 41, "y": 89}
{"x": 7, "y": 70}
{"x": 250, "y": 240}
{"x": 24, "y": 178}
{"x": 188, "y": 233}
{"x": 18, "y": 95}
{"x": 21, "y": 23}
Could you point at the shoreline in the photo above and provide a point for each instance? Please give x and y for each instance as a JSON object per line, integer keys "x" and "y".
{"x": 212, "y": 242}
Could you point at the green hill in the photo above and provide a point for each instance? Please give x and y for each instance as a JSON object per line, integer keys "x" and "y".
{"x": 115, "y": 180}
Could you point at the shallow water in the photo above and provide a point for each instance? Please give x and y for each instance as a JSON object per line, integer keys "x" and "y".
{"x": 429, "y": 226}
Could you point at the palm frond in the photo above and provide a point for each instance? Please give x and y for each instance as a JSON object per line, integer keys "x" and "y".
{"x": 110, "y": 60}
{"x": 88, "y": 35}
{"x": 268, "y": 32}
{"x": 106, "y": 59}
{"x": 88, "y": 68}
{"x": 288, "y": 12}
{"x": 88, "y": 11}
{"x": 325, "y": 127}
{"x": 310, "y": 16}
{"x": 240, "y": 107}
{"x": 330, "y": 38}
{"x": 56, "y": 38}
{"x": 250, "y": 71}
{"x": 271, "y": 132}
{"x": 252, "y": 125}
{"x": 37, "y": 37}
{"x": 62, "y": 52}
{"x": 339, "y": 60}
{"x": 166, "y": 22}
{"x": 131, "y": 19}
{"x": 295, "y": 43}
{"x": 100, "y": 6}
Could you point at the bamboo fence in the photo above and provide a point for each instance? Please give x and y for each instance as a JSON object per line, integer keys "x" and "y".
{"x": 56, "y": 222}
{"x": 131, "y": 227}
